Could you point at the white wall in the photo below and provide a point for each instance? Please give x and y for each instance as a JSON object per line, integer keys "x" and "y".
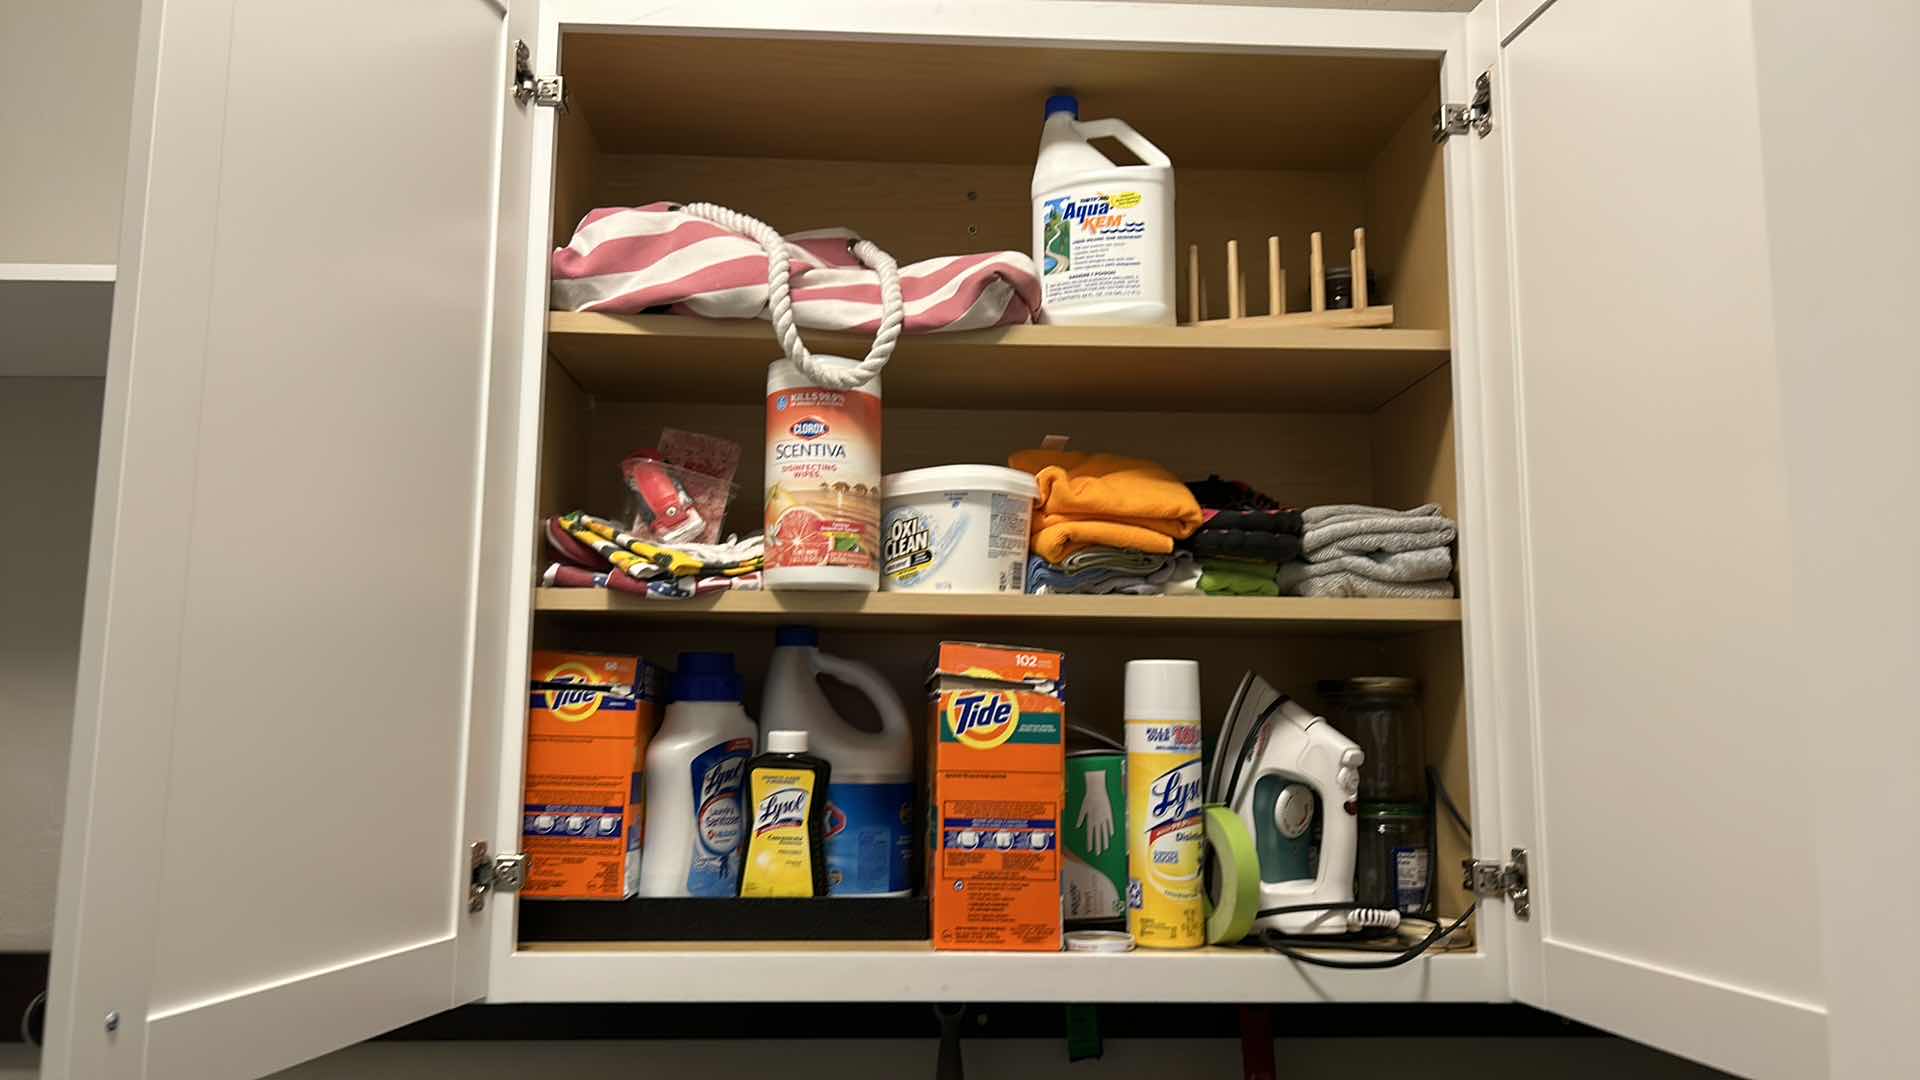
{"x": 68, "y": 82}
{"x": 1840, "y": 153}
{"x": 49, "y": 440}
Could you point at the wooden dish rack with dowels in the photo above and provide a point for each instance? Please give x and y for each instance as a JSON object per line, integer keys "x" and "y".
{"x": 1361, "y": 314}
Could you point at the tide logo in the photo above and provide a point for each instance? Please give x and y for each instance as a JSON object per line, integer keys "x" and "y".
{"x": 573, "y": 706}
{"x": 982, "y": 719}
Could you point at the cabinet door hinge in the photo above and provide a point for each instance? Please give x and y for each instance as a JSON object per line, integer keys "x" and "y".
{"x": 1487, "y": 878}
{"x": 485, "y": 876}
{"x": 1454, "y": 120}
{"x": 528, "y": 87}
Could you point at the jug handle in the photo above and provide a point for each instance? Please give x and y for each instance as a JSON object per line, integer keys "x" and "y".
{"x": 1118, "y": 130}
{"x": 893, "y": 716}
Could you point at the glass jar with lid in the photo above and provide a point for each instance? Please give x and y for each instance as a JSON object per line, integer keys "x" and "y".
{"x": 1382, "y": 714}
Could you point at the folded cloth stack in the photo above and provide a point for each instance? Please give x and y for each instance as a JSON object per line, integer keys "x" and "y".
{"x": 1350, "y": 550}
{"x": 1242, "y": 538}
{"x": 1107, "y": 524}
{"x": 597, "y": 553}
{"x": 1104, "y": 500}
{"x": 1111, "y": 570}
{"x": 1223, "y": 576}
{"x": 1266, "y": 535}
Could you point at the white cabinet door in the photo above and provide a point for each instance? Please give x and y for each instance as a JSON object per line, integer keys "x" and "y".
{"x": 1672, "y": 841}
{"x": 310, "y": 393}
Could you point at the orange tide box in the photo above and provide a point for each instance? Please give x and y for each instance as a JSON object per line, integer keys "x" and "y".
{"x": 999, "y": 775}
{"x": 588, "y": 721}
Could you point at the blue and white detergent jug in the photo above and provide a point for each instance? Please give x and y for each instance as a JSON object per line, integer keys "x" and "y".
{"x": 870, "y": 792}
{"x": 1102, "y": 231}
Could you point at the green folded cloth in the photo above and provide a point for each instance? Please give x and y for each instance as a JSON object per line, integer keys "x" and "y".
{"x": 1238, "y": 577}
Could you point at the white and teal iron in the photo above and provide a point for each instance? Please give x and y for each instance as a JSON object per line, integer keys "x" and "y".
{"x": 1279, "y": 767}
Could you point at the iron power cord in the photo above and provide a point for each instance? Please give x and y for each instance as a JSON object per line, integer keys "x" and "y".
{"x": 1285, "y": 945}
{"x": 1446, "y": 800}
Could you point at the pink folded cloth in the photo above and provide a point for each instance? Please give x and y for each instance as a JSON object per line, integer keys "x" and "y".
{"x": 629, "y": 260}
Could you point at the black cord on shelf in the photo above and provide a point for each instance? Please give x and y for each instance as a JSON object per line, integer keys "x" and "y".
{"x": 1285, "y": 945}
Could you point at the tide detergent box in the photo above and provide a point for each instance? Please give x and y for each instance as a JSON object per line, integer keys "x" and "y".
{"x": 588, "y": 721}
{"x": 998, "y": 782}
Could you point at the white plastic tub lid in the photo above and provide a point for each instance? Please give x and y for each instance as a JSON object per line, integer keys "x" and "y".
{"x": 994, "y": 478}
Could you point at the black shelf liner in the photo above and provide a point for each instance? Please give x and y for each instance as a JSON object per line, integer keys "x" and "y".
{"x": 850, "y": 918}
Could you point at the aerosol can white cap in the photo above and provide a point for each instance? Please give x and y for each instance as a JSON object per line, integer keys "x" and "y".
{"x": 786, "y": 742}
{"x": 1163, "y": 690}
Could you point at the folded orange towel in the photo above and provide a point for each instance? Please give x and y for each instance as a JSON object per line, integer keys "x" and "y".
{"x": 1088, "y": 499}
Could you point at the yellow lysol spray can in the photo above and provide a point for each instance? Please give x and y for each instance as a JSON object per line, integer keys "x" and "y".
{"x": 1166, "y": 826}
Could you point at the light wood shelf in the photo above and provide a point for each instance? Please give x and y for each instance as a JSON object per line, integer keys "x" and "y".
{"x": 926, "y": 611}
{"x": 1161, "y": 368}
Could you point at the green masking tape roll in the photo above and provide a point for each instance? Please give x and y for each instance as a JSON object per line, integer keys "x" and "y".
{"x": 1237, "y": 868}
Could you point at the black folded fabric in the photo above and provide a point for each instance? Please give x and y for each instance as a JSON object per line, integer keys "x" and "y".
{"x": 1246, "y": 544}
{"x": 1265, "y": 521}
{"x": 1214, "y": 493}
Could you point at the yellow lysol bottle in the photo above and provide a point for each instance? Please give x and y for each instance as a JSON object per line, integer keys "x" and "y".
{"x": 1166, "y": 830}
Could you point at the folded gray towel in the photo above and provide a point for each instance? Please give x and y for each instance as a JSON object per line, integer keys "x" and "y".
{"x": 1426, "y": 564}
{"x": 1347, "y": 583}
{"x": 1368, "y": 535}
{"x": 1318, "y": 515}
{"x": 1107, "y": 558}
{"x": 1085, "y": 583}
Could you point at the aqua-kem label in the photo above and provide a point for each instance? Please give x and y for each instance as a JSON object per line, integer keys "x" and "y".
{"x": 1097, "y": 244}
{"x": 718, "y": 778}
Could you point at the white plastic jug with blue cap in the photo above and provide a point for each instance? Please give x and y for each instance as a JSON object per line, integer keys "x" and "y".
{"x": 1102, "y": 232}
{"x": 870, "y": 790}
{"x": 696, "y": 778}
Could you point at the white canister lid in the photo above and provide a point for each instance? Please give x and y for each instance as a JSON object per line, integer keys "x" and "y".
{"x": 1107, "y": 941}
{"x": 995, "y": 478}
{"x": 786, "y": 742}
{"x": 1162, "y": 690}
{"x": 786, "y": 375}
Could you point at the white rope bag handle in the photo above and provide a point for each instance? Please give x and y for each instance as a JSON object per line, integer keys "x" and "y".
{"x": 780, "y": 301}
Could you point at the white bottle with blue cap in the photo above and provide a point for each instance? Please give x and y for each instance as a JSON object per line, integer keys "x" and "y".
{"x": 696, "y": 779}
{"x": 870, "y": 790}
{"x": 1102, "y": 232}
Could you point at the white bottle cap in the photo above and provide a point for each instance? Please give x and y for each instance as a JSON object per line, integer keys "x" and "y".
{"x": 786, "y": 742}
{"x": 1163, "y": 690}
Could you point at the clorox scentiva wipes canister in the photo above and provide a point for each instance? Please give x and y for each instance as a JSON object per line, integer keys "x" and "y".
{"x": 823, "y": 482}
{"x": 998, "y": 774}
{"x": 1102, "y": 231}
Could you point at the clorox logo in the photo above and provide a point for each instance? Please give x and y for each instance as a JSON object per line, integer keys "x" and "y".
{"x": 983, "y": 719}
{"x": 573, "y": 706}
{"x": 808, "y": 427}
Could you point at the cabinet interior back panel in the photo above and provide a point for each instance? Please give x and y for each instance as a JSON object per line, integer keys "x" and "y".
{"x": 919, "y": 210}
{"x": 1303, "y": 458}
{"x": 868, "y": 101}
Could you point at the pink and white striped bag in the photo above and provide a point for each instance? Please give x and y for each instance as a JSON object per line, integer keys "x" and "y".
{"x": 629, "y": 260}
